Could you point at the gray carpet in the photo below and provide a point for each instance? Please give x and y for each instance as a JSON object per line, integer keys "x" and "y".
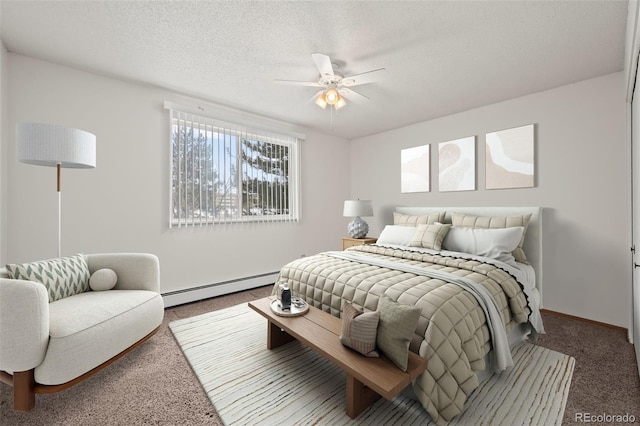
{"x": 154, "y": 385}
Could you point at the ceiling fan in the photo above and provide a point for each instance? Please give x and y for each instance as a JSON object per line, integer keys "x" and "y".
{"x": 336, "y": 87}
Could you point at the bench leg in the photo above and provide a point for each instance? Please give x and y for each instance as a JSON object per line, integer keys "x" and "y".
{"x": 359, "y": 397}
{"x": 277, "y": 337}
{"x": 24, "y": 398}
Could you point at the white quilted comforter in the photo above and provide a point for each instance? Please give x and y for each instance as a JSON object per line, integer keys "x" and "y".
{"x": 452, "y": 332}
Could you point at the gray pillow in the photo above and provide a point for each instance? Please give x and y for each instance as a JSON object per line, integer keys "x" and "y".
{"x": 395, "y": 330}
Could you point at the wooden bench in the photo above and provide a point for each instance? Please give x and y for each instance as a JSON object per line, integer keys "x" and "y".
{"x": 367, "y": 378}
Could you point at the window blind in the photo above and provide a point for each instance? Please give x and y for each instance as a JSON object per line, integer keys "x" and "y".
{"x": 224, "y": 173}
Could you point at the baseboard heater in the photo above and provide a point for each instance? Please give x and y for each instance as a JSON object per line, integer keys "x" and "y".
{"x": 193, "y": 294}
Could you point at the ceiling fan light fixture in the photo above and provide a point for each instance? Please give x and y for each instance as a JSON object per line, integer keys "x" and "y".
{"x": 331, "y": 96}
{"x": 321, "y": 101}
{"x": 341, "y": 102}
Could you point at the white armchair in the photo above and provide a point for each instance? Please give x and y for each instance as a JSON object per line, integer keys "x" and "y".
{"x": 46, "y": 347}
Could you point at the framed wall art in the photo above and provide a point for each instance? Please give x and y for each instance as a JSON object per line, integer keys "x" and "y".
{"x": 414, "y": 169}
{"x": 510, "y": 158}
{"x": 457, "y": 165}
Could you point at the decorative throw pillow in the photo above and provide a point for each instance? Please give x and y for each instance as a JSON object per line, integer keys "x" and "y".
{"x": 63, "y": 277}
{"x": 408, "y": 220}
{"x": 494, "y": 222}
{"x": 103, "y": 279}
{"x": 359, "y": 330}
{"x": 430, "y": 236}
{"x": 396, "y": 234}
{"x": 494, "y": 243}
{"x": 396, "y": 328}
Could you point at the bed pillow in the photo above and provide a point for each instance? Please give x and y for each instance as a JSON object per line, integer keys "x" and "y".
{"x": 103, "y": 279}
{"x": 494, "y": 243}
{"x": 430, "y": 236}
{"x": 396, "y": 234}
{"x": 408, "y": 220}
{"x": 63, "y": 277}
{"x": 495, "y": 222}
{"x": 359, "y": 330}
{"x": 395, "y": 330}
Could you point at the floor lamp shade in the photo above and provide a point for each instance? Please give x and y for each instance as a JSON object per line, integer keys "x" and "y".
{"x": 49, "y": 145}
{"x": 55, "y": 146}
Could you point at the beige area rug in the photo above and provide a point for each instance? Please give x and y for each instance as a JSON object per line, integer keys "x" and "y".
{"x": 249, "y": 384}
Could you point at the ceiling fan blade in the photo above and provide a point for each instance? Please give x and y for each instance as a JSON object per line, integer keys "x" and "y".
{"x": 298, "y": 83}
{"x": 352, "y": 95}
{"x": 365, "y": 77}
{"x": 323, "y": 63}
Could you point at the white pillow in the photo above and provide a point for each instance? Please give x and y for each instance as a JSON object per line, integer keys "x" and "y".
{"x": 397, "y": 234}
{"x": 103, "y": 279}
{"x": 494, "y": 243}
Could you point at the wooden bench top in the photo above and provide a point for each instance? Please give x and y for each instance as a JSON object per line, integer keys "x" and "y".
{"x": 321, "y": 332}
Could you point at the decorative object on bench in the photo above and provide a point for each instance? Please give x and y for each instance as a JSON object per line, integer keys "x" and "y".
{"x": 55, "y": 331}
{"x": 359, "y": 330}
{"x": 296, "y": 305}
{"x": 358, "y": 228}
{"x": 297, "y": 309}
{"x": 56, "y": 146}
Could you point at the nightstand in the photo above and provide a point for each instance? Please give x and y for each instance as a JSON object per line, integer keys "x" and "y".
{"x": 350, "y": 242}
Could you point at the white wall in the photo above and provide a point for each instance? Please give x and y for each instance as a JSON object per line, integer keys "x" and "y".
{"x": 4, "y": 134}
{"x": 122, "y": 204}
{"x": 583, "y": 181}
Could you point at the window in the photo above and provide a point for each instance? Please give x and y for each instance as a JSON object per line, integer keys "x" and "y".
{"x": 223, "y": 172}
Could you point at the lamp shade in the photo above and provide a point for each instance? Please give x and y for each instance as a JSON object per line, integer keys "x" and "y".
{"x": 49, "y": 145}
{"x": 356, "y": 208}
{"x": 331, "y": 96}
{"x": 341, "y": 102}
{"x": 321, "y": 101}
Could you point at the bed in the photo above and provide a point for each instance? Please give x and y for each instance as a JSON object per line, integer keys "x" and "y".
{"x": 475, "y": 273}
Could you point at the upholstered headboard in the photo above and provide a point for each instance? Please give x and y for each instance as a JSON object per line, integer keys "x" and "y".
{"x": 533, "y": 239}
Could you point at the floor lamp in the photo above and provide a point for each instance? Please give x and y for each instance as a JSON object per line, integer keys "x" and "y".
{"x": 55, "y": 146}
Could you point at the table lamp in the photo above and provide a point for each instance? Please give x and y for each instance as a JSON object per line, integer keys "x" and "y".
{"x": 357, "y": 228}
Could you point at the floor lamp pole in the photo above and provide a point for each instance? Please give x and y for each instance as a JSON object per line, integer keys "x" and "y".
{"x": 58, "y": 167}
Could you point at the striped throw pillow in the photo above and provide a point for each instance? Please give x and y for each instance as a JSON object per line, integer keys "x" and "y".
{"x": 63, "y": 277}
{"x": 359, "y": 330}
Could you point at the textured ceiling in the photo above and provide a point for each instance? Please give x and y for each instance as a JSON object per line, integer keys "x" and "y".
{"x": 443, "y": 57}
